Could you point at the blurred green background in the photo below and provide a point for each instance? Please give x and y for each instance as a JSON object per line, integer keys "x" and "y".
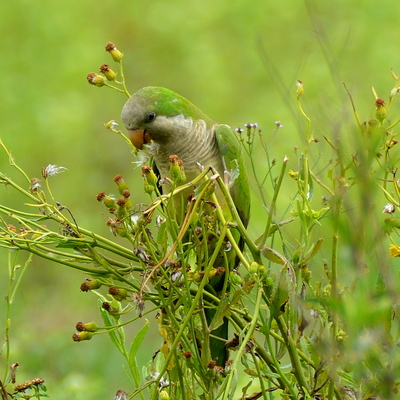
{"x": 237, "y": 60}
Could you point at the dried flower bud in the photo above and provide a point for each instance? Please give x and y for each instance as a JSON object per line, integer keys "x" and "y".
{"x": 118, "y": 293}
{"x": 90, "y": 284}
{"x": 96, "y": 79}
{"x": 119, "y": 180}
{"x": 122, "y": 209}
{"x": 115, "y": 53}
{"x": 108, "y": 72}
{"x": 121, "y": 395}
{"x": 80, "y": 336}
{"x": 100, "y": 196}
{"x": 381, "y": 112}
{"x": 116, "y": 227}
{"x": 107, "y": 200}
{"x": 88, "y": 327}
{"x": 34, "y": 185}
{"x": 12, "y": 228}
{"x": 150, "y": 179}
{"x": 233, "y": 343}
{"x": 121, "y": 202}
{"x": 110, "y": 309}
{"x": 187, "y": 354}
{"x": 176, "y": 170}
{"x": 211, "y": 364}
{"x": 126, "y": 193}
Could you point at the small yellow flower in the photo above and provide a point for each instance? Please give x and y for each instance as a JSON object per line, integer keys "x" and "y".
{"x": 394, "y": 250}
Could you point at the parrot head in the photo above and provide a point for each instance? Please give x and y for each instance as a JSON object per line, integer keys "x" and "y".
{"x": 174, "y": 125}
{"x": 159, "y": 114}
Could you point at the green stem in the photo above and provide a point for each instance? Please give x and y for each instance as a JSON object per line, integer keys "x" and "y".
{"x": 293, "y": 354}
{"x": 11, "y": 292}
{"x": 278, "y": 370}
{"x": 273, "y": 205}
{"x": 12, "y": 162}
{"x": 240, "y": 227}
{"x": 121, "y": 71}
{"x": 247, "y": 337}
{"x": 189, "y": 315}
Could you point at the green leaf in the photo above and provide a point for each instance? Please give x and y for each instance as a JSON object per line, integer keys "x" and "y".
{"x": 138, "y": 341}
{"x": 280, "y": 295}
{"x": 231, "y": 389}
{"x": 315, "y": 250}
{"x": 273, "y": 256}
{"x": 111, "y": 333}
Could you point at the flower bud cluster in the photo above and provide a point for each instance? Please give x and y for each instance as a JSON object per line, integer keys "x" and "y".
{"x": 123, "y": 221}
{"x": 150, "y": 179}
{"x": 106, "y": 73}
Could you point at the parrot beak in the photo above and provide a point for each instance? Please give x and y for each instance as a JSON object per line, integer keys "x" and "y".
{"x": 139, "y": 137}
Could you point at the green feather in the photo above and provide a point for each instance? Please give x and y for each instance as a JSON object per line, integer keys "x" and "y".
{"x": 234, "y": 164}
{"x": 168, "y": 103}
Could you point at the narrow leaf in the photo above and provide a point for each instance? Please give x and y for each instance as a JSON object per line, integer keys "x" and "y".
{"x": 138, "y": 341}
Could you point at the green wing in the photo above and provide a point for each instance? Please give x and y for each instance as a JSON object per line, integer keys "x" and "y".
{"x": 229, "y": 147}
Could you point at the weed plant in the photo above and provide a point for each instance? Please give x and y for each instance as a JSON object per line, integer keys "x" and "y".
{"x": 313, "y": 305}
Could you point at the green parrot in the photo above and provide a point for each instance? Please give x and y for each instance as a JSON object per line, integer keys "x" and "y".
{"x": 177, "y": 127}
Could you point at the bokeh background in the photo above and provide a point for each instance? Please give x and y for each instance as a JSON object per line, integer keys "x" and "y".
{"x": 238, "y": 60}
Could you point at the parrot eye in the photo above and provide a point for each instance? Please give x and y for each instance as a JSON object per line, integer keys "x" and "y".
{"x": 151, "y": 117}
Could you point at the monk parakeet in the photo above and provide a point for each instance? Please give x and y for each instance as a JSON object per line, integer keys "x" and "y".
{"x": 177, "y": 127}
